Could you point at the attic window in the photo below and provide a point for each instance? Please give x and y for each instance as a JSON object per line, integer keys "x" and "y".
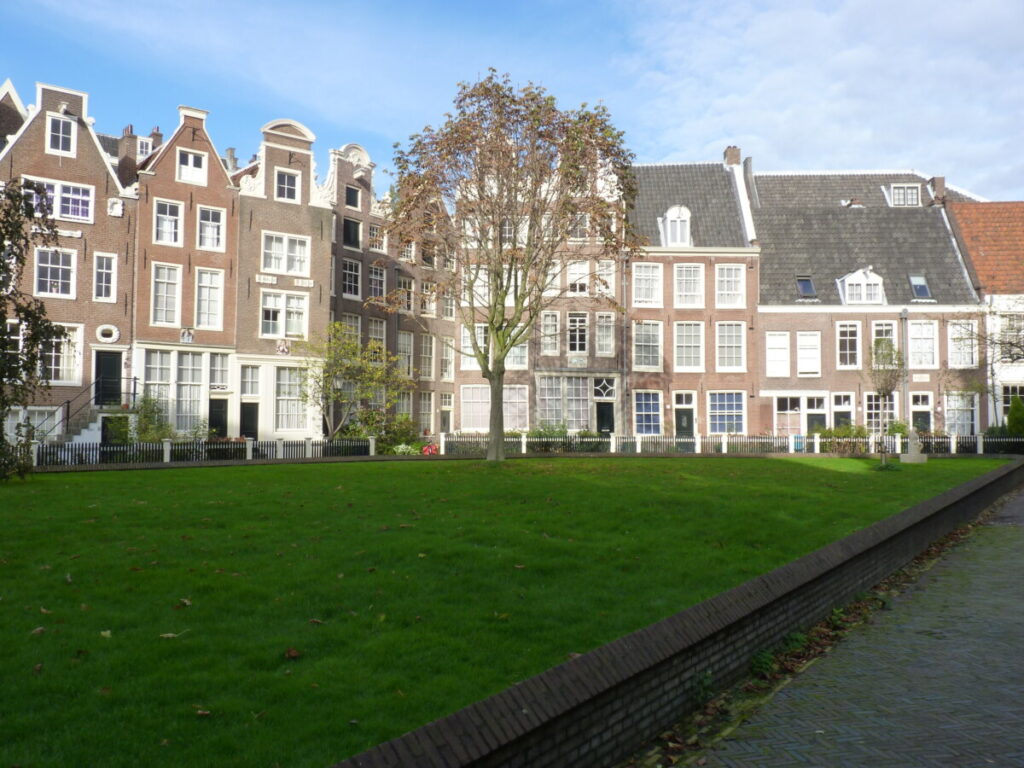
{"x": 906, "y": 195}
{"x": 192, "y": 167}
{"x": 805, "y": 287}
{"x": 145, "y": 148}
{"x": 675, "y": 227}
{"x": 61, "y": 137}
{"x": 919, "y": 285}
{"x": 862, "y": 287}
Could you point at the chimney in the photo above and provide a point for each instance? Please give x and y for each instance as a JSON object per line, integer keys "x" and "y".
{"x": 129, "y": 130}
{"x": 938, "y": 184}
{"x": 732, "y": 155}
{"x": 232, "y": 161}
{"x": 156, "y": 136}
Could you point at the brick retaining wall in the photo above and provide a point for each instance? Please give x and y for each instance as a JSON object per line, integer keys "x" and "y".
{"x": 600, "y": 707}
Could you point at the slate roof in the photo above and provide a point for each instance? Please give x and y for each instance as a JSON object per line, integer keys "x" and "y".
{"x": 109, "y": 144}
{"x": 992, "y": 236}
{"x": 804, "y": 231}
{"x": 707, "y": 189}
{"x": 830, "y": 188}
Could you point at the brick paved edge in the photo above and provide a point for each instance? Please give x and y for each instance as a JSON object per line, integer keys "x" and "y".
{"x": 600, "y": 707}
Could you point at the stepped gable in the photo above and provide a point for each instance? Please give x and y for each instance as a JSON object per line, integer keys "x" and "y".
{"x": 707, "y": 189}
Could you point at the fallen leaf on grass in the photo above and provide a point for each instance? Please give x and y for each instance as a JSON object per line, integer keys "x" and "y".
{"x": 422, "y": 554}
{"x": 203, "y": 712}
{"x": 292, "y": 653}
{"x": 106, "y": 633}
{"x": 37, "y": 668}
{"x": 519, "y": 567}
{"x": 38, "y": 630}
{"x": 43, "y": 610}
{"x": 172, "y": 635}
{"x": 315, "y": 621}
{"x": 185, "y": 601}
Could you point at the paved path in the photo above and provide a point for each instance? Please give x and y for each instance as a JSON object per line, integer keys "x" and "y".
{"x": 937, "y": 681}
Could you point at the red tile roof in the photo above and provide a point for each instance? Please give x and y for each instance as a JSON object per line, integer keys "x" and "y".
{"x": 993, "y": 237}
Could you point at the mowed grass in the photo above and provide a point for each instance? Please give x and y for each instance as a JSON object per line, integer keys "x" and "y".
{"x": 407, "y": 590}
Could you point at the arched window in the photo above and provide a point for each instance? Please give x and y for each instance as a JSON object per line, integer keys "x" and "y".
{"x": 675, "y": 226}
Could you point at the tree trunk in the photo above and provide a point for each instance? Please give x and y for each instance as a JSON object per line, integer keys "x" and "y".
{"x": 496, "y": 440}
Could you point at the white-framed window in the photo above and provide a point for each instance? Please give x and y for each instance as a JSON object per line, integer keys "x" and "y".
{"x": 144, "y": 147}
{"x": 377, "y": 239}
{"x": 350, "y": 278}
{"x": 848, "y": 345}
{"x": 647, "y": 291}
{"x": 469, "y": 361}
{"x": 55, "y": 273}
{"x": 549, "y": 341}
{"x": 1006, "y": 394}
{"x": 921, "y": 411}
{"x": 61, "y": 135}
{"x": 403, "y": 351}
{"x": 577, "y": 327}
{"x": 605, "y": 283}
{"x": 285, "y": 254}
{"x": 351, "y": 197}
{"x": 564, "y": 400}
{"x": 776, "y": 353}
{"x": 726, "y": 413}
{"x": 476, "y": 407}
{"x": 218, "y": 370}
{"x": 883, "y": 332}
{"x": 426, "y": 413}
{"x": 192, "y": 167}
{"x": 408, "y": 251}
{"x": 517, "y": 358}
{"x": 730, "y": 347}
{"x": 905, "y": 195}
{"x": 289, "y": 412}
{"x": 447, "y": 359}
{"x": 210, "y": 232}
{"x": 250, "y": 379}
{"x": 862, "y": 287}
{"x": 578, "y": 274}
{"x": 919, "y": 287}
{"x": 604, "y": 338}
{"x": 689, "y": 355}
{"x": 923, "y": 338}
{"x": 406, "y": 286}
{"x": 403, "y": 404}
{"x": 377, "y": 331}
{"x": 282, "y": 315}
{"x": 351, "y": 326}
{"x": 647, "y": 345}
{"x": 579, "y": 227}
{"x": 104, "y": 277}
{"x": 842, "y": 409}
{"x": 428, "y": 299}
{"x": 189, "y": 391}
{"x": 158, "y": 378}
{"x": 60, "y": 360}
{"x": 351, "y": 233}
{"x": 963, "y": 343}
{"x": 66, "y": 201}
{"x": 879, "y": 411}
{"x": 376, "y": 276}
{"x": 167, "y": 228}
{"x": 808, "y": 353}
{"x": 962, "y": 413}
{"x": 647, "y": 412}
{"x": 730, "y": 286}
{"x": 675, "y": 227}
{"x": 689, "y": 286}
{"x": 448, "y": 304}
{"x": 287, "y": 185}
{"x": 166, "y": 295}
{"x": 426, "y": 356}
{"x": 210, "y": 299}
{"x": 1011, "y": 338}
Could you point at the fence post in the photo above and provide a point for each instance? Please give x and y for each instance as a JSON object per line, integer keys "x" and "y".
{"x": 611, "y": 443}
{"x": 952, "y": 443}
{"x": 279, "y": 451}
{"x": 871, "y": 442}
{"x": 373, "y": 445}
{"x": 639, "y": 444}
{"x": 248, "y": 448}
{"x": 696, "y": 442}
{"x": 167, "y": 450}
{"x": 725, "y": 443}
{"x": 791, "y": 440}
{"x": 522, "y": 442}
{"x": 443, "y": 437}
{"x": 309, "y": 447}
{"x": 981, "y": 443}
{"x": 817, "y": 442}
{"x": 35, "y": 453}
{"x": 899, "y": 444}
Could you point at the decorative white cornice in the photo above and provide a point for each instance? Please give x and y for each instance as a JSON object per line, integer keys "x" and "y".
{"x": 255, "y": 185}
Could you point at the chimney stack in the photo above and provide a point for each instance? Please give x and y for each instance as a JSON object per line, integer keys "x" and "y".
{"x": 231, "y": 159}
{"x": 938, "y": 184}
{"x": 732, "y": 155}
{"x": 156, "y": 136}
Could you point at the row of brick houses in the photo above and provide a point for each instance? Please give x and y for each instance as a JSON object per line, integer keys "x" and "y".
{"x": 753, "y": 309}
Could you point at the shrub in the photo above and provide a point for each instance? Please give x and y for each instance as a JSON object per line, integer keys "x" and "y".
{"x": 1015, "y": 418}
{"x": 151, "y": 425}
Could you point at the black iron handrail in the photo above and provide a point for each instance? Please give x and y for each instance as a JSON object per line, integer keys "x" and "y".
{"x": 128, "y": 398}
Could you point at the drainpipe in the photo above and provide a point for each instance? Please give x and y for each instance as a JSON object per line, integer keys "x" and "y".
{"x": 905, "y": 341}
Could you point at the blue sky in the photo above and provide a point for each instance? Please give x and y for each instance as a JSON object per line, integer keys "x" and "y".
{"x": 799, "y": 85}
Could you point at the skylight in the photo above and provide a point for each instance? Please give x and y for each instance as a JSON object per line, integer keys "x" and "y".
{"x": 919, "y": 285}
{"x": 805, "y": 287}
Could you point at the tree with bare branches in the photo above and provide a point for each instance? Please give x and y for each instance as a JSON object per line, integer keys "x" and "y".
{"x": 887, "y": 372}
{"x": 505, "y": 191}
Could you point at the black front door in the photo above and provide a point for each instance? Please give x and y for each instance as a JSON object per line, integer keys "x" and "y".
{"x": 684, "y": 422}
{"x": 606, "y": 418}
{"x": 218, "y": 419}
{"x": 249, "y": 424}
{"x": 108, "y": 378}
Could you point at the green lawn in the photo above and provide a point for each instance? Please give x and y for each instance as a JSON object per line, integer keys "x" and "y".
{"x": 408, "y": 589}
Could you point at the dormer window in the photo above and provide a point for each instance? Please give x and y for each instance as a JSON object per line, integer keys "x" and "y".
{"x": 675, "y": 227}
{"x": 919, "y": 285}
{"x": 861, "y": 287}
{"x": 805, "y": 287}
{"x": 145, "y": 148}
{"x": 905, "y": 195}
